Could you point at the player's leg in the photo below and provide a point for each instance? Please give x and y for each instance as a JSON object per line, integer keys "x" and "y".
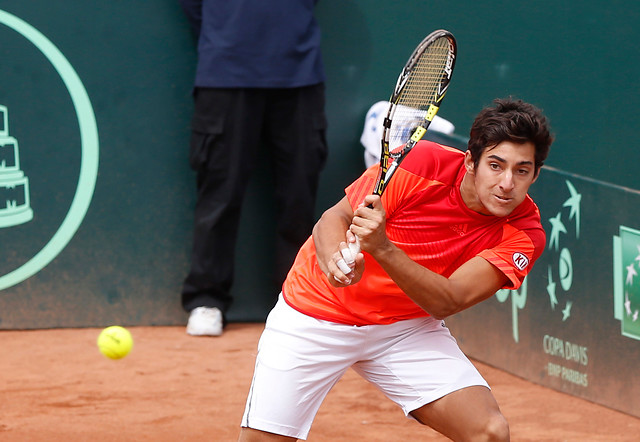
{"x": 299, "y": 360}
{"x": 469, "y": 414}
{"x": 295, "y": 129}
{"x": 418, "y": 365}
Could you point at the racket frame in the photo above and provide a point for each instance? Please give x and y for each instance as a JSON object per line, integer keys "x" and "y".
{"x": 390, "y": 160}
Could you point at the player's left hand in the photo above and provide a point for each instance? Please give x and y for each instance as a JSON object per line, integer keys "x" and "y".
{"x": 369, "y": 224}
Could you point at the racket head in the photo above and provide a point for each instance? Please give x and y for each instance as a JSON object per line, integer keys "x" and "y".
{"x": 416, "y": 99}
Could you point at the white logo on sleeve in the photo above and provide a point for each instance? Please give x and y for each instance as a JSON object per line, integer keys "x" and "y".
{"x": 520, "y": 260}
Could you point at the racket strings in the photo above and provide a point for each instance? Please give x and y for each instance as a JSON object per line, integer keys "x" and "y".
{"x": 420, "y": 90}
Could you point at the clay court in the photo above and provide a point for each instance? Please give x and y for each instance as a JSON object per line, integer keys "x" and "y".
{"x": 56, "y": 386}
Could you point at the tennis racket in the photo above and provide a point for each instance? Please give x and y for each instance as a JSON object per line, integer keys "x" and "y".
{"x": 416, "y": 99}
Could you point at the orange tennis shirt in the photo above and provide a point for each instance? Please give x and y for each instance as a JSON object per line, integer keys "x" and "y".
{"x": 428, "y": 220}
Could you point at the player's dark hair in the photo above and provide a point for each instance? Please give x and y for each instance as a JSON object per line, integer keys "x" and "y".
{"x": 510, "y": 120}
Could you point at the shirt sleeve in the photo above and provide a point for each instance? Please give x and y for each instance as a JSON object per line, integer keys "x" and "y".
{"x": 516, "y": 253}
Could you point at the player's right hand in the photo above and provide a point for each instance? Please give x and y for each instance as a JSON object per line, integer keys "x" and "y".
{"x": 369, "y": 224}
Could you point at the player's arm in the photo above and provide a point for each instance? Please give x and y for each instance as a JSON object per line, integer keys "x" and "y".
{"x": 474, "y": 281}
{"x": 329, "y": 238}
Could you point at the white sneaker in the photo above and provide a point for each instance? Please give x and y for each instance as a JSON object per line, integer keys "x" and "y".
{"x": 205, "y": 321}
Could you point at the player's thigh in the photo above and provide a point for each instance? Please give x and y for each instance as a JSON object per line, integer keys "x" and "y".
{"x": 299, "y": 360}
{"x": 468, "y": 414}
{"x": 416, "y": 362}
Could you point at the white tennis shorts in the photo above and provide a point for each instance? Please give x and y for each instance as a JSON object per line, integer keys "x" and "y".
{"x": 300, "y": 358}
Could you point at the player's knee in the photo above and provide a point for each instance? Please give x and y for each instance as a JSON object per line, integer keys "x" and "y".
{"x": 496, "y": 429}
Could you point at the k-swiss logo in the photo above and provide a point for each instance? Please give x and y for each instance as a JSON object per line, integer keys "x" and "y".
{"x": 520, "y": 260}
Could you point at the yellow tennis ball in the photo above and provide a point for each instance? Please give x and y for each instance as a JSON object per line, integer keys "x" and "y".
{"x": 115, "y": 342}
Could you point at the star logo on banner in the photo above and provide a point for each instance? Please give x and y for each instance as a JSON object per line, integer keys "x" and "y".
{"x": 551, "y": 290}
{"x": 557, "y": 227}
{"x": 566, "y": 312}
{"x": 565, "y": 226}
{"x": 630, "y": 278}
{"x": 627, "y": 303}
{"x": 631, "y": 272}
{"x": 574, "y": 204}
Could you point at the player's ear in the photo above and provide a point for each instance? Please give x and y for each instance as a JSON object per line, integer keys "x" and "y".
{"x": 469, "y": 163}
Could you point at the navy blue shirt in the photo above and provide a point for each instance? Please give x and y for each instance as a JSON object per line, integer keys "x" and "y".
{"x": 256, "y": 43}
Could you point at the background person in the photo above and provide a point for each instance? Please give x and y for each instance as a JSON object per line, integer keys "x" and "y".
{"x": 259, "y": 83}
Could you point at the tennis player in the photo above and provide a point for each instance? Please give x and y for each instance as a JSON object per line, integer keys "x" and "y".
{"x": 451, "y": 229}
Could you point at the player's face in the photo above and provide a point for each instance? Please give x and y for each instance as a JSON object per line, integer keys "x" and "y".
{"x": 501, "y": 180}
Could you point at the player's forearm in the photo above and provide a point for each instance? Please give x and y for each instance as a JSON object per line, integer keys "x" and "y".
{"x": 432, "y": 292}
{"x": 328, "y": 233}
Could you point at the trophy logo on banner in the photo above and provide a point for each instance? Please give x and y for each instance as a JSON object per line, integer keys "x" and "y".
{"x": 15, "y": 206}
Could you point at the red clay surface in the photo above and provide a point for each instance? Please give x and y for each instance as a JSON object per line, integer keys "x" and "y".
{"x": 56, "y": 386}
